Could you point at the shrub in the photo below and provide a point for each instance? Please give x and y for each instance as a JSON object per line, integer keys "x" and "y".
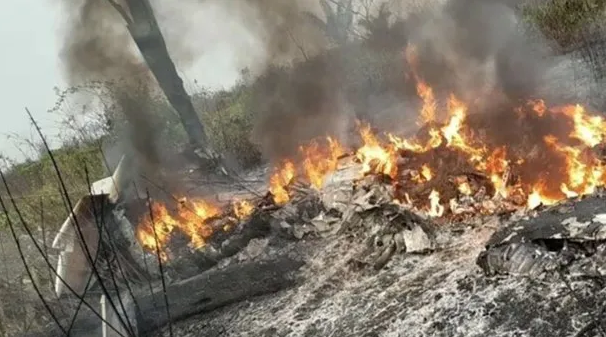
{"x": 564, "y": 21}
{"x": 229, "y": 122}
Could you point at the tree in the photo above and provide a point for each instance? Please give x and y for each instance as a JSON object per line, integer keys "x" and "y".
{"x": 144, "y": 29}
{"x": 381, "y": 34}
{"x": 339, "y": 20}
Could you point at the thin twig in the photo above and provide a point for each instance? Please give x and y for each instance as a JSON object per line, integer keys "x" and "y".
{"x": 48, "y": 263}
{"x": 144, "y": 253}
{"x": 151, "y": 215}
{"x": 43, "y": 227}
{"x": 299, "y": 46}
{"x": 111, "y": 272}
{"x": 86, "y": 287}
{"x": 82, "y": 240}
{"x": 151, "y": 290}
{"x": 27, "y": 269}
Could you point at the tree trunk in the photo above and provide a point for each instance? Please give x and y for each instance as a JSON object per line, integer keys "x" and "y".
{"x": 146, "y": 33}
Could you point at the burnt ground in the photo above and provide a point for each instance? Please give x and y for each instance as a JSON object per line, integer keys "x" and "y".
{"x": 441, "y": 294}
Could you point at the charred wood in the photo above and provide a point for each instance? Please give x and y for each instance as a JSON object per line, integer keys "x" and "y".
{"x": 215, "y": 289}
{"x": 202, "y": 293}
{"x": 222, "y": 245}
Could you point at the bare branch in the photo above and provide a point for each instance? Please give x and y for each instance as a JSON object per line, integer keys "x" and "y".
{"x": 25, "y": 265}
{"x": 298, "y": 45}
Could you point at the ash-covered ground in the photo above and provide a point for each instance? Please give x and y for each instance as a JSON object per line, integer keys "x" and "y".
{"x": 443, "y": 293}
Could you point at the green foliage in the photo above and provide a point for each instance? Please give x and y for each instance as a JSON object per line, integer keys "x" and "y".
{"x": 564, "y": 20}
{"x": 36, "y": 189}
{"x": 229, "y": 122}
{"x": 34, "y": 183}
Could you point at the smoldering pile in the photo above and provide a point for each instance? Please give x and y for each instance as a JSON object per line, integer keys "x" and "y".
{"x": 362, "y": 208}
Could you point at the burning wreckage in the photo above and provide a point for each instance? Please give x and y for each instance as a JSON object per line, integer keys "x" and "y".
{"x": 538, "y": 169}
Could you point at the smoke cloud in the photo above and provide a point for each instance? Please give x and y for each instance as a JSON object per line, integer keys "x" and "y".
{"x": 97, "y": 47}
{"x": 475, "y": 49}
{"x": 305, "y": 86}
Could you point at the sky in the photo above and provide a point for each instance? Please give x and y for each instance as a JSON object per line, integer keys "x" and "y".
{"x": 30, "y": 63}
{"x": 29, "y": 70}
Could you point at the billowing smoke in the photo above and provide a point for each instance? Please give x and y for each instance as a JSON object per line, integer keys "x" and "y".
{"x": 478, "y": 50}
{"x": 306, "y": 86}
{"x": 97, "y": 42}
{"x": 97, "y": 47}
{"x": 474, "y": 48}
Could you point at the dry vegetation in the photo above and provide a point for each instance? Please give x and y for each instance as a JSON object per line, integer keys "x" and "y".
{"x": 566, "y": 22}
{"x": 228, "y": 117}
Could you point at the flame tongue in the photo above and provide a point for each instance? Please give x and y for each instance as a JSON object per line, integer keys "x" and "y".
{"x": 280, "y": 180}
{"x": 375, "y": 157}
{"x": 556, "y": 169}
{"x": 320, "y": 161}
{"x": 243, "y": 209}
{"x": 190, "y": 218}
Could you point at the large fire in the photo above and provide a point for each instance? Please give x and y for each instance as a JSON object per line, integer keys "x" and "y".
{"x": 191, "y": 217}
{"x": 525, "y": 173}
{"x": 527, "y": 156}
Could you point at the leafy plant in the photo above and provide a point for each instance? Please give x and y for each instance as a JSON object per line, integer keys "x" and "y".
{"x": 230, "y": 121}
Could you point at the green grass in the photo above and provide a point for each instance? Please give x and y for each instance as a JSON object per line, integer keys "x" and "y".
{"x": 36, "y": 189}
{"x": 35, "y": 184}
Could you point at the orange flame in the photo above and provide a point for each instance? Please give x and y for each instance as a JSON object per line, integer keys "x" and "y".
{"x": 588, "y": 129}
{"x": 435, "y": 140}
{"x": 318, "y": 162}
{"x": 191, "y": 218}
{"x": 428, "y": 111}
{"x": 584, "y": 172}
{"x": 464, "y": 188}
{"x": 539, "y": 196}
{"x": 572, "y": 165}
{"x": 375, "y": 157}
{"x": 452, "y": 131}
{"x": 538, "y": 106}
{"x": 280, "y": 180}
{"x": 496, "y": 166}
{"x": 242, "y": 209}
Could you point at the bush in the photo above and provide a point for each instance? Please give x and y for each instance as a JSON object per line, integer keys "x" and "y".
{"x": 564, "y": 21}
{"x": 228, "y": 119}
